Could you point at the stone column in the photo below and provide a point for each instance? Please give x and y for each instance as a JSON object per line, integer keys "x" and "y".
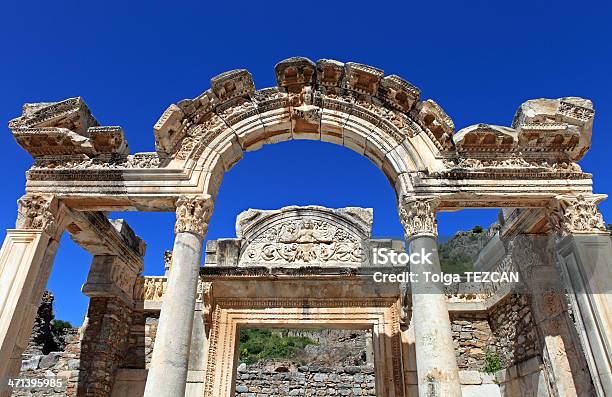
{"x": 585, "y": 258}
{"x": 26, "y": 259}
{"x": 169, "y": 365}
{"x": 437, "y": 370}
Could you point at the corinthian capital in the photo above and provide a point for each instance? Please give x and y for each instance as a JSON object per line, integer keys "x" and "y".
{"x": 37, "y": 212}
{"x": 418, "y": 216}
{"x": 192, "y": 214}
{"x": 576, "y": 214}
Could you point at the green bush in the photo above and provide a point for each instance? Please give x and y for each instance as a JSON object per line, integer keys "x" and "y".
{"x": 492, "y": 362}
{"x": 259, "y": 344}
{"x": 58, "y": 326}
{"x": 477, "y": 229}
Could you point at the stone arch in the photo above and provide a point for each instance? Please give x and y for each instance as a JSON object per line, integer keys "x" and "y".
{"x": 350, "y": 104}
{"x": 82, "y": 168}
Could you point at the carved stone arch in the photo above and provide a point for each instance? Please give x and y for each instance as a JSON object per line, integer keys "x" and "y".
{"x": 351, "y": 105}
{"x": 381, "y": 117}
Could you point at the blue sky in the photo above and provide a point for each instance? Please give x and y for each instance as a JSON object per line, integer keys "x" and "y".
{"x": 129, "y": 61}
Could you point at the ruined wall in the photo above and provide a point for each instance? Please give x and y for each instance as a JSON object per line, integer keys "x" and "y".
{"x": 141, "y": 340}
{"x": 507, "y": 330}
{"x": 104, "y": 345}
{"x": 64, "y": 364}
{"x": 90, "y": 357}
{"x": 516, "y": 337}
{"x": 258, "y": 381}
{"x": 472, "y": 336}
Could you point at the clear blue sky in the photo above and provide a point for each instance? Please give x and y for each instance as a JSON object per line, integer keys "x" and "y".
{"x": 130, "y": 61}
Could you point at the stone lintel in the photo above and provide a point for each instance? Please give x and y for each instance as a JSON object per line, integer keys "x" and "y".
{"x": 98, "y": 235}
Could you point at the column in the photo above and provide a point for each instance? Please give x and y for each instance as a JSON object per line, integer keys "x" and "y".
{"x": 169, "y": 364}
{"x": 26, "y": 259}
{"x": 437, "y": 370}
{"x": 584, "y": 252}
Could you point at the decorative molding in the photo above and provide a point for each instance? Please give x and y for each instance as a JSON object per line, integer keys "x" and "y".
{"x": 303, "y": 235}
{"x": 114, "y": 161}
{"x": 153, "y": 289}
{"x": 350, "y": 104}
{"x": 418, "y": 216}
{"x": 37, "y": 212}
{"x": 192, "y": 215}
{"x": 109, "y": 276}
{"x": 511, "y": 162}
{"x": 304, "y": 241}
{"x": 576, "y": 215}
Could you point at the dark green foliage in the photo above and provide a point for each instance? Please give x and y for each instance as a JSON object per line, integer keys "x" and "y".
{"x": 58, "y": 326}
{"x": 477, "y": 229}
{"x": 492, "y": 362}
{"x": 258, "y": 344}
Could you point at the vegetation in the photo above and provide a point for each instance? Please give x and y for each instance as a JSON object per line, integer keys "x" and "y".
{"x": 456, "y": 264}
{"x": 58, "y": 326}
{"x": 258, "y": 344}
{"x": 457, "y": 254}
{"x": 492, "y": 362}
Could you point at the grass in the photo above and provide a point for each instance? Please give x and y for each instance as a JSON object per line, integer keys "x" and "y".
{"x": 261, "y": 344}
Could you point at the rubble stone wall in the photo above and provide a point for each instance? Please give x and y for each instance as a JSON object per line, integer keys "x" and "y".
{"x": 516, "y": 338}
{"x": 255, "y": 381}
{"x": 64, "y": 365}
{"x": 472, "y": 336}
{"x": 507, "y": 330}
{"x": 141, "y": 340}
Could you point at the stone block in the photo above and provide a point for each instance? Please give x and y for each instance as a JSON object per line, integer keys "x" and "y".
{"x": 470, "y": 377}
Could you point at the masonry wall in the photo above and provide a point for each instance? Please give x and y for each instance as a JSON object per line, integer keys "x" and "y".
{"x": 472, "y": 336}
{"x": 508, "y": 331}
{"x": 141, "y": 340}
{"x": 256, "y": 381}
{"x": 64, "y": 364}
{"x": 516, "y": 337}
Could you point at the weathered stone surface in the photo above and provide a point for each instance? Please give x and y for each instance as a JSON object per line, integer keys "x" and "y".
{"x": 547, "y": 120}
{"x": 86, "y": 169}
{"x": 301, "y": 235}
{"x": 309, "y": 381}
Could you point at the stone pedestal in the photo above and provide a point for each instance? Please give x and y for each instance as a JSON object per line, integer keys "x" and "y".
{"x": 169, "y": 365}
{"x": 437, "y": 370}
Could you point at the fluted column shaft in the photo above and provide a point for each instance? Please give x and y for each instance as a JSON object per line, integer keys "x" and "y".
{"x": 437, "y": 370}
{"x": 169, "y": 365}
